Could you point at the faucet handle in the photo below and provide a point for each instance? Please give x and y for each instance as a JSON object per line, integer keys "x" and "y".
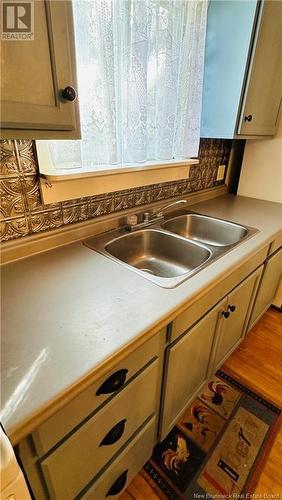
{"x": 131, "y": 220}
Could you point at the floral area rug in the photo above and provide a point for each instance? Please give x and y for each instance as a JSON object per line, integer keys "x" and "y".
{"x": 218, "y": 447}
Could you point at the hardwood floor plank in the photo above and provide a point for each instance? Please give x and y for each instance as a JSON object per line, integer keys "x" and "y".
{"x": 126, "y": 495}
{"x": 141, "y": 490}
{"x": 257, "y": 362}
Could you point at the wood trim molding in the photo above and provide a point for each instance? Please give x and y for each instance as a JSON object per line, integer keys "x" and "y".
{"x": 36, "y": 243}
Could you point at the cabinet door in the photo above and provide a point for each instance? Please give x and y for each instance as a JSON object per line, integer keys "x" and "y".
{"x": 35, "y": 72}
{"x": 263, "y": 90}
{"x": 187, "y": 366}
{"x": 270, "y": 280}
{"x": 235, "y": 318}
{"x": 228, "y": 38}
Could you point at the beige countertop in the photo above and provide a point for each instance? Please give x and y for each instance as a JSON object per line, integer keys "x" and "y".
{"x": 67, "y": 313}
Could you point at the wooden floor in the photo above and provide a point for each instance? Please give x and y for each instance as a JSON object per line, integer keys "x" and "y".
{"x": 258, "y": 363}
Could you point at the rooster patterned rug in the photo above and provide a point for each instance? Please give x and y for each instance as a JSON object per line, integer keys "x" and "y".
{"x": 218, "y": 447}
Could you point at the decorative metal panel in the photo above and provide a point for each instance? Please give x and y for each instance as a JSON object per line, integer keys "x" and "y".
{"x": 22, "y": 211}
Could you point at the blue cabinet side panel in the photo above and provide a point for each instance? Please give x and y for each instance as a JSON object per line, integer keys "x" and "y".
{"x": 229, "y": 30}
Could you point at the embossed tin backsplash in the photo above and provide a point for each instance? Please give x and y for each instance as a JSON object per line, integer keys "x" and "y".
{"x": 23, "y": 213}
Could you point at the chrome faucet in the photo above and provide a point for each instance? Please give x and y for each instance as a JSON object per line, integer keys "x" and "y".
{"x": 159, "y": 213}
{"x": 147, "y": 219}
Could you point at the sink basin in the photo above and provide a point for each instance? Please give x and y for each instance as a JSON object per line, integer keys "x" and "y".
{"x": 206, "y": 229}
{"x": 170, "y": 253}
{"x": 158, "y": 253}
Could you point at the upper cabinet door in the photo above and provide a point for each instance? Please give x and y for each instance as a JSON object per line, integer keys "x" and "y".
{"x": 262, "y": 97}
{"x": 242, "y": 86}
{"x": 229, "y": 35}
{"x": 36, "y": 71}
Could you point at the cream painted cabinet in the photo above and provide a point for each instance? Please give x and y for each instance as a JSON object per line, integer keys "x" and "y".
{"x": 104, "y": 435}
{"x": 38, "y": 83}
{"x": 187, "y": 366}
{"x": 192, "y": 358}
{"x": 100, "y": 438}
{"x": 234, "y": 320}
{"x": 123, "y": 470}
{"x": 263, "y": 91}
{"x": 242, "y": 86}
{"x": 268, "y": 286}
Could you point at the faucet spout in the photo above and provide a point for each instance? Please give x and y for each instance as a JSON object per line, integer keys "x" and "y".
{"x": 160, "y": 212}
{"x": 147, "y": 220}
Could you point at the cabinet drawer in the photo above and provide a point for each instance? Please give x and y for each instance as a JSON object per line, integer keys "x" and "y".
{"x": 119, "y": 475}
{"x": 62, "y": 422}
{"x": 71, "y": 466}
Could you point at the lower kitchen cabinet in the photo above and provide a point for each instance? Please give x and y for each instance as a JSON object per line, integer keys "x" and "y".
{"x": 99, "y": 439}
{"x": 122, "y": 471}
{"x": 268, "y": 286}
{"x": 192, "y": 359}
{"x": 187, "y": 366}
{"x": 234, "y": 320}
{"x": 108, "y": 445}
{"x": 63, "y": 422}
{"x": 92, "y": 447}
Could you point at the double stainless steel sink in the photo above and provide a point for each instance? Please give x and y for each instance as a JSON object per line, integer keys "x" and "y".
{"x": 173, "y": 250}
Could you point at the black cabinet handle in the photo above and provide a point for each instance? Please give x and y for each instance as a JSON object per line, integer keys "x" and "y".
{"x": 226, "y": 314}
{"x": 113, "y": 383}
{"x": 69, "y": 93}
{"x": 248, "y": 118}
{"x": 232, "y": 308}
{"x": 118, "y": 485}
{"x": 114, "y": 434}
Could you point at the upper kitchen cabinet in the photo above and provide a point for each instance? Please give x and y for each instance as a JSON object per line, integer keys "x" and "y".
{"x": 243, "y": 69}
{"x": 38, "y": 86}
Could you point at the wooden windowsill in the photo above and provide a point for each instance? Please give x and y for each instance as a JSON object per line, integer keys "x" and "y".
{"x": 70, "y": 184}
{"x": 70, "y": 187}
{"x": 63, "y": 175}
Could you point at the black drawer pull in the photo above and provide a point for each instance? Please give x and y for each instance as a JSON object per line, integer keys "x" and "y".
{"x": 248, "y": 118}
{"x": 226, "y": 314}
{"x": 114, "y": 434}
{"x": 118, "y": 485}
{"x": 232, "y": 308}
{"x": 113, "y": 383}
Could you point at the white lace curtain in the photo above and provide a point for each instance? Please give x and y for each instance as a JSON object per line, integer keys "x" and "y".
{"x": 140, "y": 73}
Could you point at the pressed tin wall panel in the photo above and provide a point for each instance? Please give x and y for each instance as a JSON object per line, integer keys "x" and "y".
{"x": 23, "y": 213}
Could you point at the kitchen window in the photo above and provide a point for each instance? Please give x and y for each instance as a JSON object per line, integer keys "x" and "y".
{"x": 140, "y": 74}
